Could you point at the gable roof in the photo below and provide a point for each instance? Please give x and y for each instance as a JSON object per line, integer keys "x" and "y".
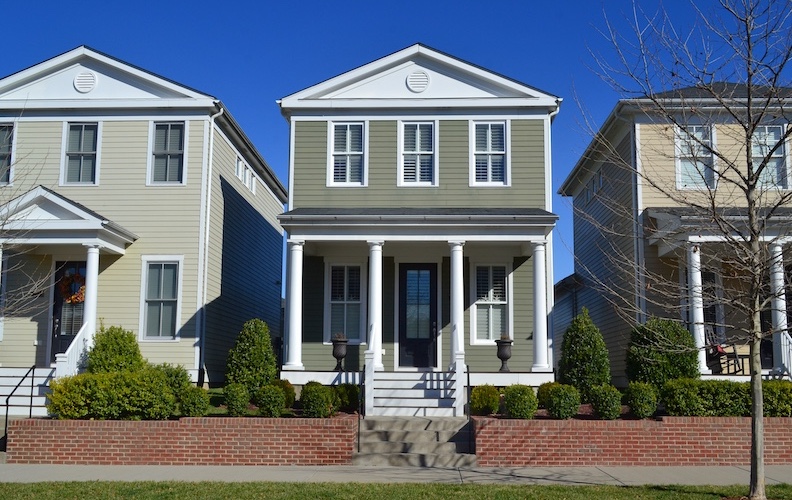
{"x": 418, "y": 77}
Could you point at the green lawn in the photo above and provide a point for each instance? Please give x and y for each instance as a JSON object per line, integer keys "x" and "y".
{"x": 168, "y": 490}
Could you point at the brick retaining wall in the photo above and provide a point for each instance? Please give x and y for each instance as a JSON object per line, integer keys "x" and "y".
{"x": 188, "y": 441}
{"x": 668, "y": 441}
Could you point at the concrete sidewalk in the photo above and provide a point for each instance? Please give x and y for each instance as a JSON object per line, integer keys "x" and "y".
{"x": 622, "y": 476}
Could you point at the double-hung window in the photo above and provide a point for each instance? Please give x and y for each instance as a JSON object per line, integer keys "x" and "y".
{"x": 81, "y": 153}
{"x": 167, "y": 164}
{"x": 6, "y": 141}
{"x": 695, "y": 168}
{"x": 418, "y": 165}
{"x": 491, "y": 309}
{"x": 347, "y": 154}
{"x": 344, "y": 304}
{"x": 245, "y": 174}
{"x": 490, "y": 162}
{"x": 161, "y": 292}
{"x": 765, "y": 138}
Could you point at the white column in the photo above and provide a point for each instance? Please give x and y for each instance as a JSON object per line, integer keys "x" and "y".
{"x": 457, "y": 303}
{"x": 294, "y": 303}
{"x": 697, "y": 303}
{"x": 540, "y": 308}
{"x": 779, "y": 306}
{"x": 91, "y": 293}
{"x": 375, "y": 302}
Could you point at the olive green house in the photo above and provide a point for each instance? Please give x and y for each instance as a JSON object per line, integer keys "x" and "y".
{"x": 419, "y": 230}
{"x": 128, "y": 199}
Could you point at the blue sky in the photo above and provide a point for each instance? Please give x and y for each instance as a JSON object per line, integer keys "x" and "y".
{"x": 251, "y": 53}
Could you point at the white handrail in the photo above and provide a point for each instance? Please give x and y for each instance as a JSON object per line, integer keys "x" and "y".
{"x": 68, "y": 363}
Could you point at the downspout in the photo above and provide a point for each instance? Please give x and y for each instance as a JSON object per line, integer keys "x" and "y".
{"x": 207, "y": 220}
{"x": 551, "y": 250}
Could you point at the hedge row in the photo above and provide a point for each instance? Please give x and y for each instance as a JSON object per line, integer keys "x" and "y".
{"x": 723, "y": 398}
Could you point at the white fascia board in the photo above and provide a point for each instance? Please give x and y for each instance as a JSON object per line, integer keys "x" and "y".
{"x": 433, "y": 233}
{"x": 488, "y": 102}
{"x": 108, "y": 104}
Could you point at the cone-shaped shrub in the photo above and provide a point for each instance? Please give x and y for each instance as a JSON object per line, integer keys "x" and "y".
{"x": 114, "y": 350}
{"x": 251, "y": 361}
{"x": 584, "y": 357}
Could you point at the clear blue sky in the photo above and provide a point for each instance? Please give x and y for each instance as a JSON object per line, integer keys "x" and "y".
{"x": 250, "y": 53}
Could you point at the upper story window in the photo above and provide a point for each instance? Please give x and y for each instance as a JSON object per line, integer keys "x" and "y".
{"x": 245, "y": 174}
{"x": 167, "y": 153}
{"x": 765, "y": 138}
{"x": 695, "y": 166}
{"x": 490, "y": 163}
{"x": 491, "y": 311}
{"x": 347, "y": 155}
{"x": 81, "y": 154}
{"x": 6, "y": 142}
{"x": 344, "y": 306}
{"x": 418, "y": 162}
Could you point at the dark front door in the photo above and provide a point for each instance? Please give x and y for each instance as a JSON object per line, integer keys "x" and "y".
{"x": 68, "y": 303}
{"x": 418, "y": 315}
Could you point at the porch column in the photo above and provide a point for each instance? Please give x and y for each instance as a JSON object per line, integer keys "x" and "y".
{"x": 697, "y": 303}
{"x": 375, "y": 303}
{"x": 91, "y": 293}
{"x": 294, "y": 306}
{"x": 541, "y": 363}
{"x": 457, "y": 340}
{"x": 779, "y": 307}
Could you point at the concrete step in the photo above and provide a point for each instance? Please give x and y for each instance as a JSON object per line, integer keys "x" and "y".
{"x": 414, "y": 459}
{"x": 403, "y": 411}
{"x": 429, "y": 447}
{"x": 402, "y": 436}
{"x": 413, "y": 424}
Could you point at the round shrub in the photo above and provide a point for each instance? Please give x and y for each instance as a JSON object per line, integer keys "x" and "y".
{"x": 114, "y": 350}
{"x": 176, "y": 375}
{"x": 251, "y": 362}
{"x": 193, "y": 401}
{"x": 681, "y": 398}
{"x": 237, "y": 398}
{"x": 484, "y": 400}
{"x": 661, "y": 350}
{"x": 777, "y": 398}
{"x": 642, "y": 399}
{"x": 317, "y": 400}
{"x": 288, "y": 391}
{"x": 543, "y": 392}
{"x": 606, "y": 401}
{"x": 348, "y": 396}
{"x": 270, "y": 401}
{"x": 519, "y": 401}
{"x": 563, "y": 401}
{"x": 584, "y": 359}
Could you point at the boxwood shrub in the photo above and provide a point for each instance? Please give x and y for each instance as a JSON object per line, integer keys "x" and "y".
{"x": 606, "y": 401}
{"x": 563, "y": 401}
{"x": 288, "y": 391}
{"x": 348, "y": 396}
{"x": 193, "y": 401}
{"x": 114, "y": 350}
{"x": 543, "y": 393}
{"x": 708, "y": 398}
{"x": 661, "y": 350}
{"x": 251, "y": 362}
{"x": 519, "y": 401}
{"x": 584, "y": 359}
{"x": 237, "y": 398}
{"x": 777, "y": 398}
{"x": 484, "y": 400}
{"x": 318, "y": 401}
{"x": 270, "y": 401}
{"x": 641, "y": 398}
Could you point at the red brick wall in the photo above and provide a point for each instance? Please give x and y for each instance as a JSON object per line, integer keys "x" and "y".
{"x": 669, "y": 441}
{"x": 189, "y": 441}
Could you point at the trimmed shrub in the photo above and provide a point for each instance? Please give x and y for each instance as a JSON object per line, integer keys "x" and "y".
{"x": 563, "y": 401}
{"x": 484, "y": 400}
{"x": 318, "y": 401}
{"x": 193, "y": 401}
{"x": 114, "y": 350}
{"x": 584, "y": 361}
{"x": 519, "y": 401}
{"x": 348, "y": 397}
{"x": 237, "y": 398}
{"x": 251, "y": 362}
{"x": 724, "y": 398}
{"x": 777, "y": 398}
{"x": 543, "y": 393}
{"x": 681, "y": 398}
{"x": 661, "y": 350}
{"x": 288, "y": 391}
{"x": 176, "y": 375}
{"x": 642, "y": 399}
{"x": 606, "y": 401}
{"x": 270, "y": 401}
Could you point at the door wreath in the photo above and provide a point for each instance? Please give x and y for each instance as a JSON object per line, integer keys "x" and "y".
{"x": 72, "y": 289}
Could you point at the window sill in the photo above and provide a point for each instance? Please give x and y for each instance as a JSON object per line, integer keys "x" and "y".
{"x": 159, "y": 340}
{"x": 166, "y": 184}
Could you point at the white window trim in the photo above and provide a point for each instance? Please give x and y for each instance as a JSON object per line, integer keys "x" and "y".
{"x": 507, "y": 153}
{"x": 150, "y": 161}
{"x": 474, "y": 340}
{"x": 145, "y": 261}
{"x": 327, "y": 334}
{"x": 678, "y": 137}
{"x": 331, "y": 182}
{"x": 64, "y": 142}
{"x": 435, "y": 155}
{"x": 785, "y": 152}
{"x": 11, "y": 170}
{"x": 245, "y": 174}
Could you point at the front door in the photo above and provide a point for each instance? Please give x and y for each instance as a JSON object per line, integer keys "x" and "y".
{"x": 68, "y": 303}
{"x": 418, "y": 315}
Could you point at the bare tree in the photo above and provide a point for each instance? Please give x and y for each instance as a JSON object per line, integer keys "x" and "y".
{"x": 726, "y": 72}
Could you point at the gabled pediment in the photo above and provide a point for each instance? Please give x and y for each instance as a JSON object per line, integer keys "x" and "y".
{"x": 84, "y": 75}
{"x": 418, "y": 76}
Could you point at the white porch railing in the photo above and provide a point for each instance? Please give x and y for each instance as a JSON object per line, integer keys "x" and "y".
{"x": 784, "y": 369}
{"x": 68, "y": 363}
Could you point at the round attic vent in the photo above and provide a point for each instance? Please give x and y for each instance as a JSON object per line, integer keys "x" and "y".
{"x": 418, "y": 81}
{"x": 85, "y": 82}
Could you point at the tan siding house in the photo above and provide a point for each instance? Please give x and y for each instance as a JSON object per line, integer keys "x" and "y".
{"x": 141, "y": 213}
{"x": 419, "y": 231}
